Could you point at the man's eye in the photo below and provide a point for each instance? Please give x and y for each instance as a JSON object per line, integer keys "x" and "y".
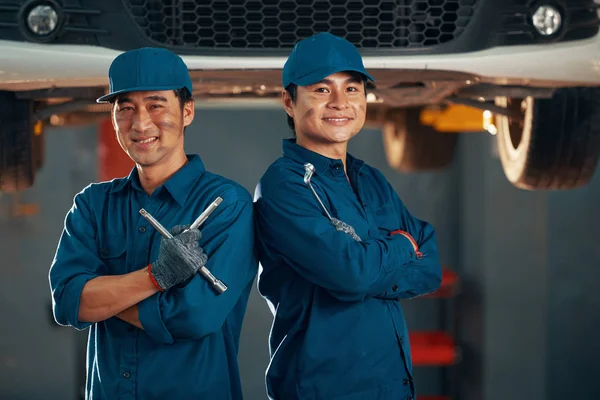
{"x": 126, "y": 108}
{"x": 155, "y": 106}
{"x": 321, "y": 90}
{"x": 353, "y": 89}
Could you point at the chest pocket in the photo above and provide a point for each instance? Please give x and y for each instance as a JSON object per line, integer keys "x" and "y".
{"x": 386, "y": 219}
{"x": 113, "y": 253}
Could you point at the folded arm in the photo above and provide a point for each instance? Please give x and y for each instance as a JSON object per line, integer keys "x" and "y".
{"x": 292, "y": 225}
{"x": 425, "y": 271}
{"x": 82, "y": 292}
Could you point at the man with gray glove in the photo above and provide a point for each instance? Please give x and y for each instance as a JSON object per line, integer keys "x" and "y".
{"x": 158, "y": 329}
{"x": 179, "y": 258}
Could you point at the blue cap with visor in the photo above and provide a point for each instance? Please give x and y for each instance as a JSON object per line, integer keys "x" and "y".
{"x": 319, "y": 56}
{"x": 146, "y": 69}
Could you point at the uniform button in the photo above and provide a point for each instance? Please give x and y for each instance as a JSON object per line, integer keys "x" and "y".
{"x": 126, "y": 374}
{"x": 337, "y": 166}
{"x": 395, "y": 288}
{"x": 405, "y": 382}
{"x": 401, "y": 341}
{"x": 104, "y": 252}
{"x": 364, "y": 204}
{"x": 142, "y": 229}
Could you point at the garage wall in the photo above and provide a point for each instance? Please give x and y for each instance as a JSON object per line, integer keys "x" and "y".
{"x": 39, "y": 359}
{"x": 529, "y": 262}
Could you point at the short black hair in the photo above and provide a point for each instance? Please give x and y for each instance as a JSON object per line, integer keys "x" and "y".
{"x": 184, "y": 96}
{"x": 292, "y": 89}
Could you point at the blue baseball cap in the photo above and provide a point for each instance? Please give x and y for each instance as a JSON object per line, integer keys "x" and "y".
{"x": 319, "y": 56}
{"x": 146, "y": 69}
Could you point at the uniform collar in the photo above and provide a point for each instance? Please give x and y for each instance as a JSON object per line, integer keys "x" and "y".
{"x": 177, "y": 185}
{"x": 353, "y": 163}
{"x": 321, "y": 163}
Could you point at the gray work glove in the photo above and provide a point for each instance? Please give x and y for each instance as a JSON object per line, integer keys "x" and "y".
{"x": 341, "y": 226}
{"x": 179, "y": 258}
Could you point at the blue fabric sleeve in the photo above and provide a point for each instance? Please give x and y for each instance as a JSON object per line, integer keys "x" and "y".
{"x": 76, "y": 261}
{"x": 424, "y": 274}
{"x": 291, "y": 225}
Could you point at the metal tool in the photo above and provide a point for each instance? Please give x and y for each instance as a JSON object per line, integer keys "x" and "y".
{"x": 205, "y": 214}
{"x": 309, "y": 170}
{"x": 217, "y": 284}
{"x": 161, "y": 229}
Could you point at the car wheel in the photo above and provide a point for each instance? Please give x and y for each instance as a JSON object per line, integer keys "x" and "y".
{"x": 18, "y": 144}
{"x": 411, "y": 146}
{"x": 556, "y": 143}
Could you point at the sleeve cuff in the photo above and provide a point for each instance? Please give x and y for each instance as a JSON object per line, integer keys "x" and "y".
{"x": 151, "y": 320}
{"x": 400, "y": 252}
{"x": 73, "y": 291}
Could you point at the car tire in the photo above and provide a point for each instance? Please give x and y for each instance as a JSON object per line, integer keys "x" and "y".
{"x": 18, "y": 146}
{"x": 557, "y": 143}
{"x": 411, "y": 146}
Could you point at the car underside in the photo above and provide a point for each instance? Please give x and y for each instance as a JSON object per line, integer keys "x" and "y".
{"x": 527, "y": 72}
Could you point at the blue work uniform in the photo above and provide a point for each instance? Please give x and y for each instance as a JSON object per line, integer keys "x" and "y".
{"x": 338, "y": 330}
{"x": 189, "y": 345}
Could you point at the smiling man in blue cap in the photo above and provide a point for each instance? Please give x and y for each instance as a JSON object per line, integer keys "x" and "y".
{"x": 158, "y": 330}
{"x": 337, "y": 247}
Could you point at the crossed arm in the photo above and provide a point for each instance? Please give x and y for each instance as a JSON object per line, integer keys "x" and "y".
{"x": 107, "y": 296}
{"x": 386, "y": 267}
{"x": 83, "y": 292}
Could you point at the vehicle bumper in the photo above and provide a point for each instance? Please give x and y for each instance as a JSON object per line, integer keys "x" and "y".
{"x": 28, "y": 66}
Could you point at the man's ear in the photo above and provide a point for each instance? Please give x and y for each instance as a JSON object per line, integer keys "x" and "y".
{"x": 286, "y": 99}
{"x": 188, "y": 112}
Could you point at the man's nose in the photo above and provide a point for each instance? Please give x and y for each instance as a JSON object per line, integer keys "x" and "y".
{"x": 339, "y": 99}
{"x": 141, "y": 119}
